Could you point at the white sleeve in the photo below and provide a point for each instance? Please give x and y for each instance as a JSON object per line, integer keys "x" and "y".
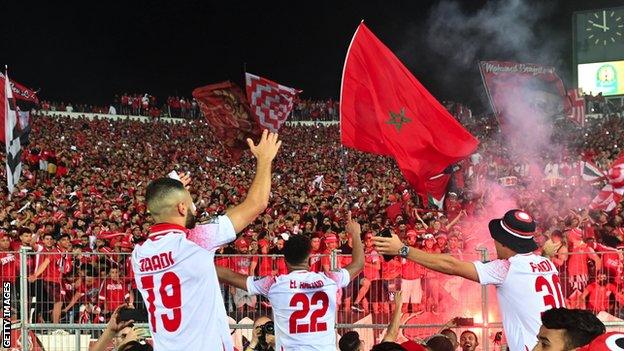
{"x": 341, "y": 277}
{"x": 219, "y": 231}
{"x": 493, "y": 272}
{"x": 259, "y": 286}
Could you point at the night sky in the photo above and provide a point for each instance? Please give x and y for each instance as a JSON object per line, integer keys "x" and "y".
{"x": 88, "y": 52}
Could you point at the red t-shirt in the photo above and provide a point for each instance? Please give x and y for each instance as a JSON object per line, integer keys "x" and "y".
{"x": 52, "y": 273}
{"x": 241, "y": 264}
{"x": 280, "y": 265}
{"x": 265, "y": 266}
{"x": 370, "y": 261}
{"x": 599, "y": 296}
{"x": 411, "y": 270}
{"x": 315, "y": 262}
{"x": 114, "y": 293}
{"x": 9, "y": 263}
{"x": 222, "y": 261}
{"x": 391, "y": 269}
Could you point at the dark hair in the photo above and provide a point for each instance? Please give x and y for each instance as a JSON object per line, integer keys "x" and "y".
{"x": 557, "y": 233}
{"x": 469, "y": 332}
{"x": 440, "y": 343}
{"x": 160, "y": 187}
{"x": 350, "y": 341}
{"x": 388, "y": 346}
{"x": 611, "y": 241}
{"x": 448, "y": 331}
{"x": 136, "y": 346}
{"x": 581, "y": 327}
{"x": 297, "y": 249}
{"x": 64, "y": 236}
{"x": 48, "y": 234}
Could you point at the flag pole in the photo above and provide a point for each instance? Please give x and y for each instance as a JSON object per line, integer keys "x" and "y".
{"x": 343, "y": 150}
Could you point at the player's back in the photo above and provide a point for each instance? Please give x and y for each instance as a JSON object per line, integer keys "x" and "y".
{"x": 178, "y": 282}
{"x": 304, "y": 308}
{"x": 530, "y": 287}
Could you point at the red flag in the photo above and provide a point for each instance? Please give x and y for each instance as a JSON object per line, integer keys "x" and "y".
{"x": 224, "y": 106}
{"x": 270, "y": 102}
{"x": 436, "y": 189}
{"x": 385, "y": 110}
{"x": 612, "y": 193}
{"x": 577, "y": 112}
{"x": 20, "y": 92}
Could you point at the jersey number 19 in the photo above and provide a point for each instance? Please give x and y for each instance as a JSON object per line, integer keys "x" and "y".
{"x": 171, "y": 300}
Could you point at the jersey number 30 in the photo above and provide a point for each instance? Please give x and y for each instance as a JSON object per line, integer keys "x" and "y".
{"x": 171, "y": 296}
{"x": 553, "y": 297}
{"x": 302, "y": 313}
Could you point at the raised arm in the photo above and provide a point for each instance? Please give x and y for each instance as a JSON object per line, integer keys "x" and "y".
{"x": 593, "y": 256}
{"x": 442, "y": 263}
{"x": 393, "y": 328}
{"x": 420, "y": 219}
{"x": 232, "y": 278}
{"x": 560, "y": 256}
{"x": 456, "y": 219}
{"x": 357, "y": 262}
{"x": 258, "y": 195}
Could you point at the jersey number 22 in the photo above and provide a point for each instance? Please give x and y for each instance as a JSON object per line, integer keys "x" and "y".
{"x": 302, "y": 313}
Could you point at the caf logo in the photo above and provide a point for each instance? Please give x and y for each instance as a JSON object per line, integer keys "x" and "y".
{"x": 606, "y": 79}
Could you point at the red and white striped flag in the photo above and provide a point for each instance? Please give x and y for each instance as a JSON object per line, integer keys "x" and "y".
{"x": 577, "y": 112}
{"x": 611, "y": 194}
{"x": 271, "y": 102}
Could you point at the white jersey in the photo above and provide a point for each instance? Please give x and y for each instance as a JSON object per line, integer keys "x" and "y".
{"x": 526, "y": 286}
{"x": 304, "y": 307}
{"x": 174, "y": 270}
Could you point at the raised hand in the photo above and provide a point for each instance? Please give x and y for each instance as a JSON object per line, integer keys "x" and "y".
{"x": 387, "y": 246}
{"x": 185, "y": 178}
{"x": 114, "y": 324}
{"x": 352, "y": 226}
{"x": 267, "y": 146}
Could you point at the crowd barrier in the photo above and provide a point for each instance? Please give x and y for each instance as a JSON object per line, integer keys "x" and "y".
{"x": 69, "y": 313}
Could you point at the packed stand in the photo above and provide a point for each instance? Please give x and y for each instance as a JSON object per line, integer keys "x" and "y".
{"x": 80, "y": 207}
{"x": 315, "y": 110}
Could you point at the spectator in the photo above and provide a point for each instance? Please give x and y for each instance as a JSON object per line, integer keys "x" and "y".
{"x": 440, "y": 343}
{"x": 263, "y": 336}
{"x": 567, "y": 329}
{"x": 123, "y": 334}
{"x": 350, "y": 341}
{"x": 468, "y": 340}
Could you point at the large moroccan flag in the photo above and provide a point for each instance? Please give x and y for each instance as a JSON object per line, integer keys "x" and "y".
{"x": 385, "y": 110}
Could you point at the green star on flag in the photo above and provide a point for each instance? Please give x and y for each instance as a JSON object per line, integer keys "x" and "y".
{"x": 398, "y": 119}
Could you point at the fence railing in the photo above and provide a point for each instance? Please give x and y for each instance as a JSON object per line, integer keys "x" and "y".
{"x": 65, "y": 304}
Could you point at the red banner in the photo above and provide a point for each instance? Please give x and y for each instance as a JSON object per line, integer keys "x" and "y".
{"x": 20, "y": 92}
{"x": 517, "y": 90}
{"x": 226, "y": 109}
{"x": 577, "y": 112}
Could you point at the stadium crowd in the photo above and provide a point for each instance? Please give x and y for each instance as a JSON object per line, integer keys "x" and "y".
{"x": 185, "y": 107}
{"x": 80, "y": 207}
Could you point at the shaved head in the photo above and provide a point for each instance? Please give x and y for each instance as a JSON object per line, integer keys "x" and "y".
{"x": 164, "y": 197}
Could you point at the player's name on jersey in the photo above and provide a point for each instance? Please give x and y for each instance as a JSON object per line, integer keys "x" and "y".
{"x": 306, "y": 285}
{"x": 544, "y": 266}
{"x": 156, "y": 262}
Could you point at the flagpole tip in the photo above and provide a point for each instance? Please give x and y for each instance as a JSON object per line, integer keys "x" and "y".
{"x": 362, "y": 21}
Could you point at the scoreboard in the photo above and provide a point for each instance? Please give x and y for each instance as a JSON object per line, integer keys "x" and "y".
{"x": 598, "y": 50}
